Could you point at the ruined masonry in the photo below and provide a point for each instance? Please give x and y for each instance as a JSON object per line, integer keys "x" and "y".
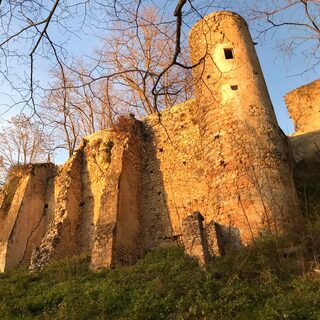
{"x": 212, "y": 173}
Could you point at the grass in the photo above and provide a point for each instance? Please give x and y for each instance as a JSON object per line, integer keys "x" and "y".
{"x": 166, "y": 284}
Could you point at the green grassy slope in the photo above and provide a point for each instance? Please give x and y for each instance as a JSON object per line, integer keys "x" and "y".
{"x": 166, "y": 284}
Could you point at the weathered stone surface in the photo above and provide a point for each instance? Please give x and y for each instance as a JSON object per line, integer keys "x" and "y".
{"x": 304, "y": 107}
{"x": 25, "y": 223}
{"x": 61, "y": 237}
{"x": 245, "y": 156}
{"x": 194, "y": 237}
{"x": 117, "y": 237}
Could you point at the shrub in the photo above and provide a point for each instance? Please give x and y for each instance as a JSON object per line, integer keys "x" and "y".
{"x": 109, "y": 147}
{"x": 123, "y": 123}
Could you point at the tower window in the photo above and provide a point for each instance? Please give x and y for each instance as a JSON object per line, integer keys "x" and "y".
{"x": 234, "y": 87}
{"x": 228, "y": 53}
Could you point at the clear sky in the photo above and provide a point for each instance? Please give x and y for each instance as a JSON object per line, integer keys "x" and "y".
{"x": 281, "y": 78}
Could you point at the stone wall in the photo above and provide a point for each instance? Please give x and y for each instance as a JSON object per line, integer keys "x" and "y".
{"x": 173, "y": 184}
{"x": 61, "y": 237}
{"x": 102, "y": 165}
{"x": 304, "y": 107}
{"x": 95, "y": 200}
{"x": 117, "y": 231}
{"x": 128, "y": 241}
{"x": 25, "y": 223}
{"x": 195, "y": 239}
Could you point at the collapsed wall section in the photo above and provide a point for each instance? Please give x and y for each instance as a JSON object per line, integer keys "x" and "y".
{"x": 7, "y": 193}
{"x": 60, "y": 239}
{"x": 128, "y": 244}
{"x": 304, "y": 107}
{"x": 101, "y": 168}
{"x": 93, "y": 202}
{"x": 104, "y": 163}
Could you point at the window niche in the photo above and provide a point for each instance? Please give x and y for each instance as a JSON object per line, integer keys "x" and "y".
{"x": 228, "y": 53}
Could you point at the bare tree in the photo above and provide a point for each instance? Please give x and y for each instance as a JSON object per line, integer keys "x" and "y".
{"x": 36, "y": 32}
{"x": 136, "y": 57}
{"x": 297, "y": 23}
{"x": 23, "y": 141}
{"x": 81, "y": 102}
{"x": 74, "y": 110}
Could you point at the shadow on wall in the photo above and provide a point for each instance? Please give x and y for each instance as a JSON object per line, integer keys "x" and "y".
{"x": 306, "y": 147}
{"x": 156, "y": 223}
{"x": 87, "y": 210}
{"x": 306, "y": 153}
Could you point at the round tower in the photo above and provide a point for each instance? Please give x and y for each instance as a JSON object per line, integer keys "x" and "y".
{"x": 246, "y": 157}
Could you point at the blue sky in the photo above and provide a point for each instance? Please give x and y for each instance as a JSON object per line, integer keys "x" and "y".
{"x": 280, "y": 80}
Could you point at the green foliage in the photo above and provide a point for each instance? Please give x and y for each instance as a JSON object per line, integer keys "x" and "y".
{"x": 109, "y": 147}
{"x": 166, "y": 284}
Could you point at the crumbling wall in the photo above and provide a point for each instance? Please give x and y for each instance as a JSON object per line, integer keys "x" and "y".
{"x": 206, "y": 241}
{"x": 95, "y": 201}
{"x": 117, "y": 226}
{"x": 128, "y": 242}
{"x": 304, "y": 107}
{"x": 194, "y": 237}
{"x": 105, "y": 200}
{"x": 8, "y": 190}
{"x": 61, "y": 238}
{"x": 106, "y": 184}
{"x": 100, "y": 169}
{"x": 25, "y": 223}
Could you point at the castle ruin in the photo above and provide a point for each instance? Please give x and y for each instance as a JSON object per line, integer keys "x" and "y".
{"x": 213, "y": 173}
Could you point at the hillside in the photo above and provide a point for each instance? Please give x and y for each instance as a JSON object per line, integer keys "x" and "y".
{"x": 166, "y": 284}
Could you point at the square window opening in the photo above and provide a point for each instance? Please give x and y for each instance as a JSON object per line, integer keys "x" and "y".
{"x": 234, "y": 87}
{"x": 228, "y": 53}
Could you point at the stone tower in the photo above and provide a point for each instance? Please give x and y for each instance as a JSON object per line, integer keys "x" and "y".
{"x": 246, "y": 152}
